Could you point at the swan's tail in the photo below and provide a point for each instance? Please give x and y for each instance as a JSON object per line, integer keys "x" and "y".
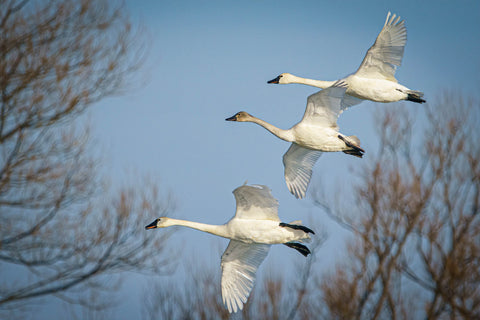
{"x": 299, "y": 247}
{"x": 354, "y": 143}
{"x": 415, "y": 96}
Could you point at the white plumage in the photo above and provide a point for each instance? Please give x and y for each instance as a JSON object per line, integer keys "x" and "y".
{"x": 375, "y": 78}
{"x": 240, "y": 262}
{"x": 316, "y": 132}
{"x": 252, "y": 230}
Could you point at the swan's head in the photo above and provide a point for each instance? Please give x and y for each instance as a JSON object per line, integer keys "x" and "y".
{"x": 284, "y": 78}
{"x": 158, "y": 223}
{"x": 241, "y": 116}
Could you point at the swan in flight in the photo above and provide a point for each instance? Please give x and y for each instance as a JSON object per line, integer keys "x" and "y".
{"x": 252, "y": 230}
{"x": 375, "y": 78}
{"x": 316, "y": 132}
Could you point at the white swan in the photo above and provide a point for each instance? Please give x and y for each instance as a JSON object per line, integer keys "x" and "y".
{"x": 375, "y": 78}
{"x": 316, "y": 132}
{"x": 252, "y": 230}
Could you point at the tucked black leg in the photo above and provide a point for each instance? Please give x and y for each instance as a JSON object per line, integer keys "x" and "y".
{"x": 296, "y": 227}
{"x": 299, "y": 247}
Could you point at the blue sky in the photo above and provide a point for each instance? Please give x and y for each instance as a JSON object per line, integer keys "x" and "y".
{"x": 208, "y": 60}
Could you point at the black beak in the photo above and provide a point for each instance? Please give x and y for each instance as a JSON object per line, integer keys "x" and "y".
{"x": 152, "y": 225}
{"x": 276, "y": 80}
{"x": 232, "y": 118}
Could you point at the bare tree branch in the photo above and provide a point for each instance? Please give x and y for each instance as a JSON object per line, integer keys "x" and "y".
{"x": 420, "y": 226}
{"x": 62, "y": 230}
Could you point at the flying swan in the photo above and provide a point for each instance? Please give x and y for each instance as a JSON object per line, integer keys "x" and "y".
{"x": 252, "y": 230}
{"x": 316, "y": 132}
{"x": 375, "y": 78}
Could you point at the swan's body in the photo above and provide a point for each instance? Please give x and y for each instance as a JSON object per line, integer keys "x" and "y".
{"x": 317, "y": 132}
{"x": 252, "y": 230}
{"x": 375, "y": 78}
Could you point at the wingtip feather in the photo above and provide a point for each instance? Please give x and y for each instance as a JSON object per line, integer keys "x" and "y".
{"x": 388, "y": 17}
{"x": 396, "y": 21}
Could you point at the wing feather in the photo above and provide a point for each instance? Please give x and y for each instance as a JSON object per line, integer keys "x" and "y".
{"x": 386, "y": 54}
{"x": 324, "y": 107}
{"x": 240, "y": 262}
{"x": 256, "y": 202}
{"x": 298, "y": 162}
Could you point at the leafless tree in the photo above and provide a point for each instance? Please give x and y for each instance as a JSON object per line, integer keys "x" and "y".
{"x": 414, "y": 218}
{"x": 61, "y": 230}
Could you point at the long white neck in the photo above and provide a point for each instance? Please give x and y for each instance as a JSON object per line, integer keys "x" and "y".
{"x": 310, "y": 82}
{"x": 219, "y": 230}
{"x": 286, "y": 135}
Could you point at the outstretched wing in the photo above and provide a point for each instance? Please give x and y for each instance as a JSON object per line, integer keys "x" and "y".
{"x": 386, "y": 53}
{"x": 324, "y": 107}
{"x": 256, "y": 202}
{"x": 298, "y": 162}
{"x": 240, "y": 262}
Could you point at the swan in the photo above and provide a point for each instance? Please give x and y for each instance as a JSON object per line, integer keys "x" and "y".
{"x": 251, "y": 231}
{"x": 375, "y": 78}
{"x": 316, "y": 132}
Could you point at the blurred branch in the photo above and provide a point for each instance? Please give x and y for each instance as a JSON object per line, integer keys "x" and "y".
{"x": 417, "y": 221}
{"x": 61, "y": 229}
